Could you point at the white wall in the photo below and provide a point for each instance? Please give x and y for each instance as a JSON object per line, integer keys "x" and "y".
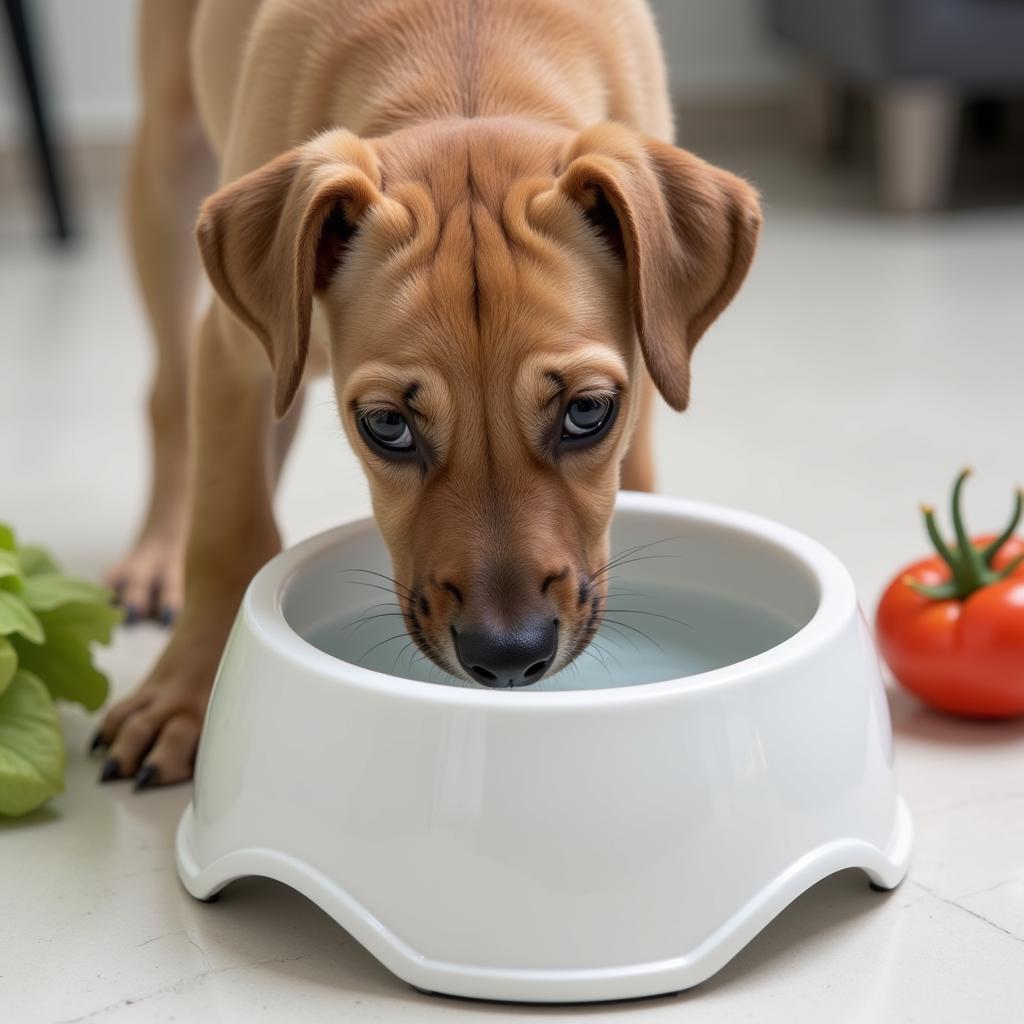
{"x": 718, "y": 50}
{"x": 88, "y": 47}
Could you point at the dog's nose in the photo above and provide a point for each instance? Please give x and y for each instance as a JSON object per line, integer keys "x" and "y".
{"x": 517, "y": 656}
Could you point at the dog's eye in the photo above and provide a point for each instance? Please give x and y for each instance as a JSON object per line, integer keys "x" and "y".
{"x": 387, "y": 430}
{"x": 587, "y": 416}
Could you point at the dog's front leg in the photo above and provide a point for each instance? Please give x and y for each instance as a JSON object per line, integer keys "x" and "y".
{"x": 153, "y": 733}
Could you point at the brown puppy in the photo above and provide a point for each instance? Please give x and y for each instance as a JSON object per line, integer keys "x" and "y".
{"x": 470, "y": 211}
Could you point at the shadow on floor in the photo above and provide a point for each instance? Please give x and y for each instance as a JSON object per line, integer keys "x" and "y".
{"x": 333, "y": 959}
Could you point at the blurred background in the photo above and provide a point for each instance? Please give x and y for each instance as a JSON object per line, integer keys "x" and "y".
{"x": 923, "y": 96}
{"x": 876, "y": 347}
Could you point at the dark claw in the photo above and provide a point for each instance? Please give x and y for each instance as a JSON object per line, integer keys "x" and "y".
{"x": 131, "y": 615}
{"x": 98, "y": 743}
{"x": 148, "y": 775}
{"x": 111, "y": 770}
{"x": 166, "y": 616}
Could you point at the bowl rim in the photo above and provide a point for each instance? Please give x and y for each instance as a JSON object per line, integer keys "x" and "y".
{"x": 262, "y": 608}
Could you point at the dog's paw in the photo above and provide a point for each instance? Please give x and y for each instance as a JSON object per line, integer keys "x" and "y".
{"x": 149, "y": 581}
{"x": 152, "y": 735}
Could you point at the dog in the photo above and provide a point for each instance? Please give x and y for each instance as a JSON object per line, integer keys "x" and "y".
{"x": 470, "y": 213}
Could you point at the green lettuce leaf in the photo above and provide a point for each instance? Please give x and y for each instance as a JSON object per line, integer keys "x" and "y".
{"x": 36, "y": 560}
{"x": 64, "y": 662}
{"x": 47, "y": 624}
{"x": 91, "y": 623}
{"x": 17, "y": 617}
{"x": 45, "y": 591}
{"x": 8, "y": 662}
{"x": 32, "y": 755}
{"x": 50, "y": 620}
{"x": 10, "y": 565}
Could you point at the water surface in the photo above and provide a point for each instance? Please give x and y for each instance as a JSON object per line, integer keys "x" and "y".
{"x": 652, "y": 633}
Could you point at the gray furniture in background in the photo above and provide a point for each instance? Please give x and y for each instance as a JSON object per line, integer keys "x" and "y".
{"x": 918, "y": 60}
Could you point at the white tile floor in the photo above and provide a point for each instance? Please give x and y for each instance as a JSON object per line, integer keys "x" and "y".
{"x": 866, "y": 360}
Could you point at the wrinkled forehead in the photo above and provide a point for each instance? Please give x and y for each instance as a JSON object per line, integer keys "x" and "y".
{"x": 480, "y": 291}
{"x": 508, "y": 332}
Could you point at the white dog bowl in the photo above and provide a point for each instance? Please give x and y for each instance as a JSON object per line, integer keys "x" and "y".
{"x": 623, "y": 829}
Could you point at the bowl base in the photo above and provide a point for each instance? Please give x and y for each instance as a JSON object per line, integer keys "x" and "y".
{"x": 886, "y": 868}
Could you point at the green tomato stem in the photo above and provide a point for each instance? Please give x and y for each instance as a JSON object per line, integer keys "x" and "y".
{"x": 947, "y": 554}
{"x": 939, "y": 592}
{"x": 990, "y": 551}
{"x": 1007, "y": 569}
{"x": 970, "y": 568}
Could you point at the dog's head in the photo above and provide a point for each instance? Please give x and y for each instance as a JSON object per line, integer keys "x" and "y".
{"x": 492, "y": 292}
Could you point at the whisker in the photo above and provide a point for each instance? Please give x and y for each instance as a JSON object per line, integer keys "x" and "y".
{"x": 416, "y": 652}
{"x": 605, "y": 651}
{"x": 377, "y": 586}
{"x": 630, "y": 561}
{"x": 369, "y": 618}
{"x": 383, "y": 604}
{"x": 626, "y": 625}
{"x": 397, "y": 636}
{"x": 616, "y": 560}
{"x": 587, "y": 650}
{"x": 383, "y": 576}
{"x": 411, "y": 643}
{"x": 595, "y": 650}
{"x": 653, "y": 615}
{"x": 622, "y": 554}
{"x": 625, "y": 636}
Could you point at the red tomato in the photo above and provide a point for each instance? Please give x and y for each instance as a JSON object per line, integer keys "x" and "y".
{"x": 962, "y": 654}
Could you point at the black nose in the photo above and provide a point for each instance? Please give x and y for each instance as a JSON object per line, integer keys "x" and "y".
{"x": 515, "y": 656}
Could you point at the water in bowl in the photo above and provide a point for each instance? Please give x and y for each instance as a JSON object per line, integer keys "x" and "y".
{"x": 654, "y": 633}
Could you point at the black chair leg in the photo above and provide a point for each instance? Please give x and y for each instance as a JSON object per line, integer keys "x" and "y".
{"x": 21, "y": 35}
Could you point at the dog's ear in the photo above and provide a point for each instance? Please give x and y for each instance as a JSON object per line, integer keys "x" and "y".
{"x": 274, "y": 237}
{"x": 685, "y": 230}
